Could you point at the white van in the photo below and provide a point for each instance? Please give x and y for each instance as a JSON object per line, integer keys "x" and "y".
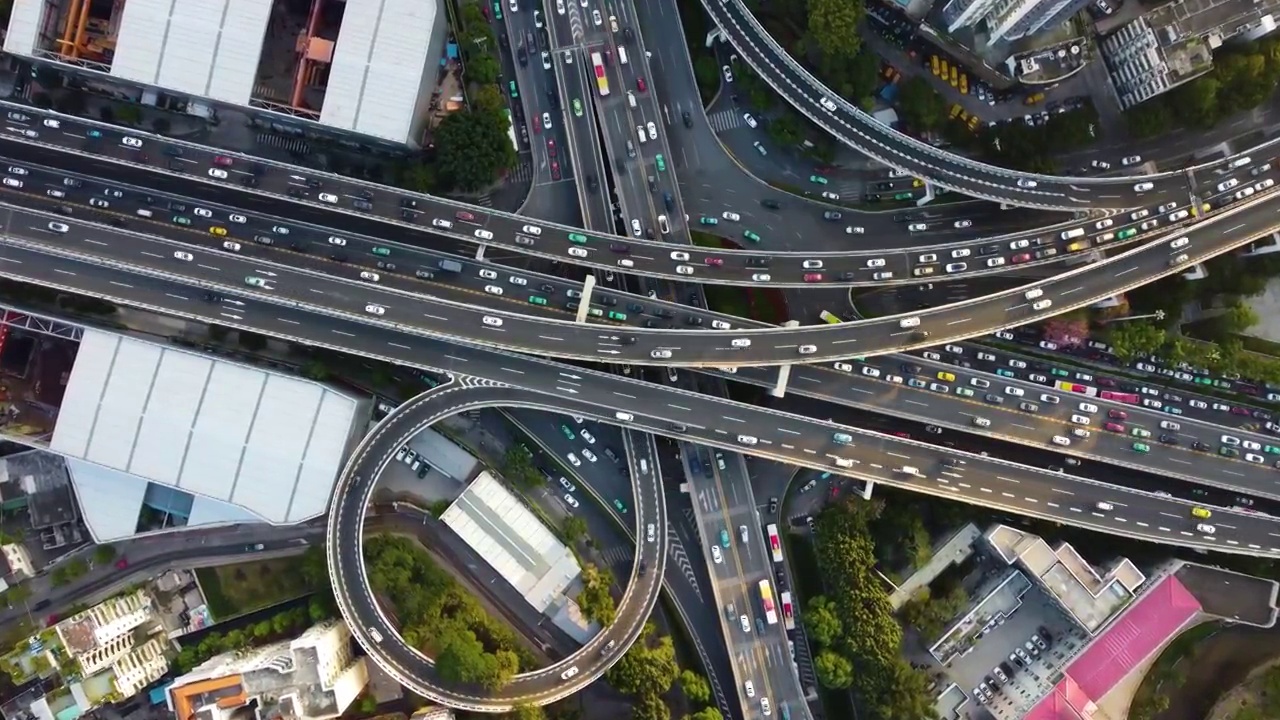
{"x": 844, "y": 462}
{"x": 622, "y": 55}
{"x": 644, "y": 466}
{"x": 624, "y": 416}
{"x": 640, "y": 133}
{"x": 143, "y": 212}
{"x": 1072, "y": 233}
{"x": 631, "y": 98}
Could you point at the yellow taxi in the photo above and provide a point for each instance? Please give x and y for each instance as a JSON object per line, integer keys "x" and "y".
{"x": 945, "y": 376}
{"x": 218, "y": 230}
{"x": 1200, "y": 512}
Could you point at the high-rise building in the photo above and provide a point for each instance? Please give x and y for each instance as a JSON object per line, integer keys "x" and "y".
{"x": 312, "y": 677}
{"x": 1008, "y": 20}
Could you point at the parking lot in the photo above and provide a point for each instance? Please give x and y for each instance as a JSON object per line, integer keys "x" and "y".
{"x": 1032, "y": 670}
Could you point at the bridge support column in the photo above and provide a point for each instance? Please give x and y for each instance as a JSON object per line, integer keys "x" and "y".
{"x": 784, "y": 372}
{"x": 867, "y": 485}
{"x": 928, "y": 195}
{"x": 584, "y": 304}
{"x": 713, "y": 36}
{"x": 480, "y": 251}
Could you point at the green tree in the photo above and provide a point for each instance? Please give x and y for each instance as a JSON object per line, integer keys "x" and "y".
{"x": 930, "y": 615}
{"x": 785, "y": 129}
{"x": 833, "y": 670}
{"x": 645, "y": 671}
{"x": 922, "y": 107}
{"x": 707, "y": 713}
{"x": 575, "y": 528}
{"x": 524, "y": 711}
{"x": 17, "y": 595}
{"x": 650, "y": 707}
{"x": 104, "y": 554}
{"x": 483, "y": 69}
{"x": 822, "y": 620}
{"x": 1131, "y": 338}
{"x": 707, "y": 74}
{"x": 695, "y": 687}
{"x": 489, "y": 99}
{"x": 1197, "y": 102}
{"x": 472, "y": 149}
{"x": 596, "y": 600}
{"x": 517, "y": 468}
{"x": 833, "y": 27}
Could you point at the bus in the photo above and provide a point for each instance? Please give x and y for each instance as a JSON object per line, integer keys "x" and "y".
{"x": 1130, "y": 398}
{"x": 788, "y": 612}
{"x": 766, "y": 601}
{"x": 511, "y": 131}
{"x": 602, "y": 81}
{"x": 1076, "y": 388}
{"x": 827, "y": 317}
{"x": 775, "y": 542}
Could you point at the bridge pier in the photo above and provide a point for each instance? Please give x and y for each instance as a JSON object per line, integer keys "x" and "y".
{"x": 480, "y": 251}
{"x": 784, "y": 372}
{"x": 588, "y": 284}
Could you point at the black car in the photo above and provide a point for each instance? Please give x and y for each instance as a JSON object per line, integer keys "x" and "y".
{"x": 910, "y": 369}
{"x": 1202, "y": 447}
{"x": 1169, "y": 439}
{"x": 248, "y": 181}
{"x": 758, "y": 262}
{"x": 688, "y": 120}
{"x": 212, "y": 297}
{"x": 547, "y": 288}
{"x": 408, "y": 203}
{"x": 592, "y": 184}
{"x": 771, "y": 204}
{"x": 296, "y": 192}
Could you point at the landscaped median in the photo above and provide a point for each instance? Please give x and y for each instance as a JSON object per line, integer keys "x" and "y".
{"x": 767, "y": 305}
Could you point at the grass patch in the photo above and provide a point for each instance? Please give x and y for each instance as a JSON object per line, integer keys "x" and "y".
{"x": 1168, "y": 671}
{"x": 234, "y": 590}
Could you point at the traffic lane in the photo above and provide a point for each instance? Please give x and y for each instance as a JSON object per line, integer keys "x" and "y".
{"x": 260, "y": 236}
{"x": 663, "y": 402}
{"x": 964, "y": 175}
{"x": 711, "y": 346}
{"x": 1039, "y": 429}
{"x": 1101, "y": 380}
{"x": 967, "y": 440}
{"x": 580, "y": 123}
{"x": 503, "y": 232}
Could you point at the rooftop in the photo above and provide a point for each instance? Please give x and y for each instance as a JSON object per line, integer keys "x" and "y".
{"x": 269, "y": 443}
{"x": 514, "y": 541}
{"x": 1091, "y": 599}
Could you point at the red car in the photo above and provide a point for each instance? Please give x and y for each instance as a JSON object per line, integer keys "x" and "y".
{"x": 640, "y": 84}
{"x": 1117, "y": 415}
{"x": 555, "y": 171}
{"x": 464, "y": 215}
{"x": 537, "y": 124}
{"x": 813, "y": 277}
{"x": 714, "y": 261}
{"x": 222, "y": 161}
{"x": 551, "y": 148}
{"x": 1020, "y": 258}
{"x": 1114, "y": 427}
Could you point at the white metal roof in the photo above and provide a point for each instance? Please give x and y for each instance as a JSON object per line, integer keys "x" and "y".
{"x": 207, "y": 48}
{"x": 24, "y": 26}
{"x": 379, "y": 64}
{"x": 503, "y": 531}
{"x": 268, "y": 443}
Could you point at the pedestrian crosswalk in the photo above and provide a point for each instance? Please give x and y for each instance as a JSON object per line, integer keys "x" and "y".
{"x": 522, "y": 173}
{"x": 284, "y": 142}
{"x": 725, "y": 120}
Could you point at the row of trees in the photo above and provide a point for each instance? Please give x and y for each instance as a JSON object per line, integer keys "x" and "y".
{"x": 470, "y": 149}
{"x": 438, "y": 617}
{"x": 1241, "y": 79}
{"x": 596, "y": 598}
{"x": 646, "y": 672}
{"x": 859, "y": 640}
{"x": 282, "y": 625}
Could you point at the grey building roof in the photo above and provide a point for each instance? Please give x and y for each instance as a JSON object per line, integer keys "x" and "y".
{"x": 269, "y": 443}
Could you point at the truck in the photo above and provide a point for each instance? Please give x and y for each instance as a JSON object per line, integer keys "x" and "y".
{"x": 452, "y": 266}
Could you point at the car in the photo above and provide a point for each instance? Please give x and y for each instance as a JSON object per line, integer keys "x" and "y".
{"x": 727, "y": 72}
{"x": 962, "y": 224}
{"x": 640, "y": 84}
{"x": 918, "y": 227}
{"x": 596, "y": 18}
{"x": 1131, "y": 160}
{"x": 1205, "y": 528}
{"x": 716, "y": 555}
{"x": 855, "y": 230}
{"x": 1061, "y": 440}
{"x": 373, "y": 309}
{"x": 745, "y": 622}
{"x": 1026, "y": 184}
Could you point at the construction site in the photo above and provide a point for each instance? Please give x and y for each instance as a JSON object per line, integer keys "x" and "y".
{"x": 346, "y": 65}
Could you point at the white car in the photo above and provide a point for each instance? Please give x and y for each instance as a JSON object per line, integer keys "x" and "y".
{"x": 218, "y": 173}
{"x": 183, "y": 255}
{"x": 1025, "y": 183}
{"x": 679, "y": 256}
{"x": 15, "y": 170}
{"x": 573, "y": 460}
{"x": 1205, "y": 528}
{"x": 1015, "y": 245}
{"x": 660, "y": 354}
{"x": 731, "y": 216}
{"x": 613, "y": 23}
{"x": 59, "y": 227}
{"x": 684, "y": 269}
{"x": 876, "y": 262}
{"x": 532, "y": 229}
{"x": 962, "y": 253}
{"x": 745, "y": 623}
{"x": 16, "y": 183}
{"x": 596, "y": 19}
{"x": 1227, "y": 184}
{"x": 546, "y": 120}
{"x": 489, "y": 274}
{"x": 1042, "y": 304}
{"x": 830, "y": 195}
{"x": 1131, "y": 160}
{"x": 843, "y": 367}
{"x": 761, "y": 277}
{"x": 493, "y": 289}
{"x": 728, "y": 74}
{"x": 277, "y": 229}
{"x": 808, "y": 349}
{"x": 871, "y": 372}
{"x": 653, "y": 130}
{"x": 586, "y": 435}
{"x": 571, "y": 500}
{"x": 635, "y": 227}
{"x": 749, "y": 688}
{"x": 1061, "y": 440}
{"x": 995, "y": 262}
{"x": 917, "y": 227}
{"x": 1103, "y": 224}
{"x": 855, "y": 230}
{"x": 370, "y": 276}
{"x": 493, "y": 321}
{"x": 721, "y": 325}
{"x": 446, "y": 224}
{"x": 808, "y": 264}
{"x": 716, "y": 555}
{"x": 827, "y": 103}
{"x": 127, "y": 140}
{"x": 589, "y": 455}
{"x": 207, "y": 213}
{"x": 231, "y": 245}
{"x": 238, "y": 219}
{"x": 1143, "y": 186}
{"x": 751, "y": 122}
{"x": 546, "y": 60}
{"x": 578, "y": 252}
{"x": 517, "y": 280}
{"x": 375, "y": 309}
{"x": 963, "y": 223}
{"x": 1081, "y": 419}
